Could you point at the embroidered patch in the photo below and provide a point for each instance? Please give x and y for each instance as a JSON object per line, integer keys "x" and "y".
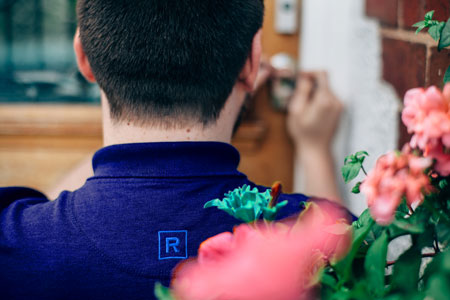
{"x": 173, "y": 244}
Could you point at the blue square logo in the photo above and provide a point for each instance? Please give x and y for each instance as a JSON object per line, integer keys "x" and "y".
{"x": 172, "y": 244}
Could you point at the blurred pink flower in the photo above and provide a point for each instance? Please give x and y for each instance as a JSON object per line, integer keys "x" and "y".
{"x": 395, "y": 175}
{"x": 266, "y": 261}
{"x": 427, "y": 116}
{"x": 442, "y": 156}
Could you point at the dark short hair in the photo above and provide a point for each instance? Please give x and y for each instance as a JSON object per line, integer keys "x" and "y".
{"x": 167, "y": 61}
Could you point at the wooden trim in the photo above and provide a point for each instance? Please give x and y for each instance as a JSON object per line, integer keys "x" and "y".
{"x": 50, "y": 120}
{"x": 79, "y": 120}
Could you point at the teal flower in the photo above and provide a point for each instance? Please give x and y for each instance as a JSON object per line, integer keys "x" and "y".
{"x": 248, "y": 205}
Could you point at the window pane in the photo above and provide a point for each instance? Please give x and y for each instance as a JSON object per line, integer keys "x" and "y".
{"x": 37, "y": 63}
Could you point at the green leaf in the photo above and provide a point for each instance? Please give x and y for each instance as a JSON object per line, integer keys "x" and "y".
{"x": 443, "y": 183}
{"x": 328, "y": 279}
{"x": 353, "y": 165}
{"x": 356, "y": 189}
{"x": 375, "y": 264}
{"x": 402, "y": 209}
{"x": 374, "y": 233}
{"x": 438, "y": 287}
{"x": 435, "y": 30}
{"x": 403, "y": 296}
{"x": 443, "y": 234}
{"x": 270, "y": 213}
{"x": 426, "y": 239}
{"x": 409, "y": 225}
{"x": 439, "y": 266}
{"x": 344, "y": 267}
{"x": 445, "y": 36}
{"x": 406, "y": 271}
{"x": 447, "y": 76}
{"x": 365, "y": 219}
{"x": 404, "y": 224}
{"x": 361, "y": 153}
{"x": 244, "y": 214}
{"x": 350, "y": 171}
{"x": 420, "y": 29}
{"x": 162, "y": 293}
{"x": 419, "y": 24}
{"x": 213, "y": 203}
{"x": 359, "y": 291}
{"x": 429, "y": 15}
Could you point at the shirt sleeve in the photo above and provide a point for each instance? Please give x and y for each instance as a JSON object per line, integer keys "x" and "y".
{"x": 9, "y": 195}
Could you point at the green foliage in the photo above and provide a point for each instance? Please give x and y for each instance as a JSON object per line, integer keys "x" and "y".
{"x": 375, "y": 263}
{"x": 406, "y": 271}
{"x": 361, "y": 229}
{"x": 439, "y": 31}
{"x": 436, "y": 277}
{"x": 447, "y": 76}
{"x": 355, "y": 189}
{"x": 363, "y": 273}
{"x": 247, "y": 204}
{"x": 162, "y": 293}
{"x": 445, "y": 36}
{"x": 436, "y": 30}
{"x": 411, "y": 225}
{"x": 428, "y": 23}
{"x": 353, "y": 165}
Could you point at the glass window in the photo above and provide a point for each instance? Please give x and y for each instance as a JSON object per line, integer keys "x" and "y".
{"x": 37, "y": 62}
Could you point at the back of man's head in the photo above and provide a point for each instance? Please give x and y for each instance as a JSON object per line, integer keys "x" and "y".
{"x": 167, "y": 62}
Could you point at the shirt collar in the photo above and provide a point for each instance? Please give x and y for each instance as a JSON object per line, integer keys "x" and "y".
{"x": 169, "y": 159}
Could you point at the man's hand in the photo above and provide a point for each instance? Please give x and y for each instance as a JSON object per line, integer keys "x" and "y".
{"x": 264, "y": 73}
{"x": 314, "y": 112}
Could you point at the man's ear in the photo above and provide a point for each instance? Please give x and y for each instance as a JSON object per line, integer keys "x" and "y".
{"x": 248, "y": 75}
{"x": 83, "y": 64}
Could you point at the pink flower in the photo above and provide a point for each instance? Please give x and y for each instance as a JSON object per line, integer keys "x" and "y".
{"x": 266, "y": 261}
{"x": 427, "y": 116}
{"x": 442, "y": 157}
{"x": 395, "y": 175}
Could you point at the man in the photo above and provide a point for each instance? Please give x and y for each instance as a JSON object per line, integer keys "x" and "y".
{"x": 173, "y": 76}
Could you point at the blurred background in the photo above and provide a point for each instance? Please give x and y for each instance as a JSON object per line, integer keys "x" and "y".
{"x": 37, "y": 63}
{"x": 50, "y": 118}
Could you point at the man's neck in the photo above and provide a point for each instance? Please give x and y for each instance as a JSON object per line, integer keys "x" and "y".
{"x": 128, "y": 132}
{"x": 125, "y": 134}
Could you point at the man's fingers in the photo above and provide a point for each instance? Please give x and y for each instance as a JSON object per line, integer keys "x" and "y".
{"x": 321, "y": 78}
{"x": 302, "y": 93}
{"x": 305, "y": 85}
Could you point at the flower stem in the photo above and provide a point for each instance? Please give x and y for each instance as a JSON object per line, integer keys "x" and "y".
{"x": 436, "y": 244}
{"x": 364, "y": 170}
{"x": 425, "y": 255}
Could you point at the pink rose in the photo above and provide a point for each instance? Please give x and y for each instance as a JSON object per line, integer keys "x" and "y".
{"x": 266, "y": 261}
{"x": 427, "y": 116}
{"x": 442, "y": 158}
{"x": 395, "y": 175}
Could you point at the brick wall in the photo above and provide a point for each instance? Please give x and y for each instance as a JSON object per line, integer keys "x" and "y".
{"x": 409, "y": 60}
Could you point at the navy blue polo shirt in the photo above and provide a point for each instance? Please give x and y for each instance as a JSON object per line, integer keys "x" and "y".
{"x": 125, "y": 229}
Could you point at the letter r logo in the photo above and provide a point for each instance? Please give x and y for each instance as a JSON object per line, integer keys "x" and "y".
{"x": 172, "y": 244}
